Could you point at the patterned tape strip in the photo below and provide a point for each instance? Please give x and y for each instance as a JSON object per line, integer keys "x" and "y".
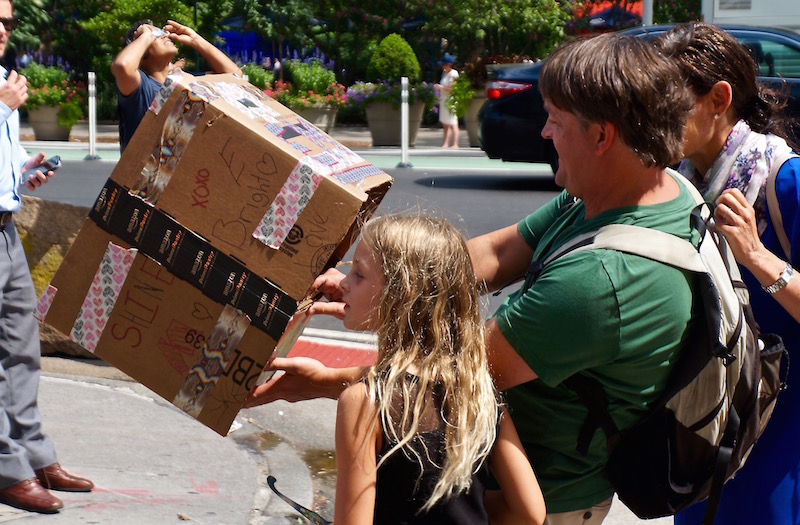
{"x": 44, "y": 303}
{"x": 166, "y": 90}
{"x": 175, "y": 136}
{"x": 288, "y": 205}
{"x": 218, "y": 350}
{"x": 102, "y": 296}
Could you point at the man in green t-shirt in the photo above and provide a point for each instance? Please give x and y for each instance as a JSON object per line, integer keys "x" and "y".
{"x": 616, "y": 112}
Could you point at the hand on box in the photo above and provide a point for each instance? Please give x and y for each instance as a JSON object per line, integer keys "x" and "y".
{"x": 298, "y": 379}
{"x": 327, "y": 285}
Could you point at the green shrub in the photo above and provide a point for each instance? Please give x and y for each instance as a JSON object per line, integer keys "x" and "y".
{"x": 392, "y": 60}
{"x": 257, "y": 75}
{"x": 310, "y": 75}
{"x": 461, "y": 93}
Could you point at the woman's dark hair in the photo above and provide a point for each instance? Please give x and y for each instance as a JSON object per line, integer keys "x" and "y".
{"x": 707, "y": 54}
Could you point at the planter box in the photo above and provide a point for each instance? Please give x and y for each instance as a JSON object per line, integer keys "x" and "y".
{"x": 471, "y": 119}
{"x": 323, "y": 118}
{"x": 44, "y": 121}
{"x": 385, "y": 123}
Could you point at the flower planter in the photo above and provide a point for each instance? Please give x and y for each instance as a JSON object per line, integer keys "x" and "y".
{"x": 385, "y": 125}
{"x": 44, "y": 121}
{"x": 471, "y": 119}
{"x": 323, "y": 117}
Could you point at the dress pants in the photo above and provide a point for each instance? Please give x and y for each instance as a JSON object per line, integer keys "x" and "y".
{"x": 23, "y": 445}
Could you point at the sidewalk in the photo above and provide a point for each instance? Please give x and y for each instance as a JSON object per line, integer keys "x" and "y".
{"x": 427, "y": 153}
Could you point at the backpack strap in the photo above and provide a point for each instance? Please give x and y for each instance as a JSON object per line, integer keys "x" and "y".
{"x": 772, "y": 203}
{"x": 724, "y": 454}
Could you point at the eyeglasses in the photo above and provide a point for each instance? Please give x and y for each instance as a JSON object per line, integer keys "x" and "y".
{"x": 9, "y": 23}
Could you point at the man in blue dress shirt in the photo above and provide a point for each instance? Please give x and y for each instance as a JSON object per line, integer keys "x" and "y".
{"x": 28, "y": 462}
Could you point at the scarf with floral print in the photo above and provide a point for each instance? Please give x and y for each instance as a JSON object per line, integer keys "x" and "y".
{"x": 744, "y": 163}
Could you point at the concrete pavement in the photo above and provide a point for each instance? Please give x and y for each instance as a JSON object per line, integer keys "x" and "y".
{"x": 152, "y": 464}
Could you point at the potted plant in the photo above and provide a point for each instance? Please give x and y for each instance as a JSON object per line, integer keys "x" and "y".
{"x": 381, "y": 94}
{"x": 312, "y": 92}
{"x": 55, "y": 103}
{"x": 461, "y": 96}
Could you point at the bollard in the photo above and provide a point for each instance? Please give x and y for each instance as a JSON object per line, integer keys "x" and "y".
{"x": 404, "y": 124}
{"x": 92, "y": 118}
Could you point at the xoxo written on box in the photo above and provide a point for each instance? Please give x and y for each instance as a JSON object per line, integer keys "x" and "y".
{"x": 223, "y": 209}
{"x": 251, "y": 177}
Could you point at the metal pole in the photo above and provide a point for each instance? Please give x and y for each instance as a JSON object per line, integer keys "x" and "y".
{"x": 92, "y": 118}
{"x": 647, "y": 12}
{"x": 404, "y": 124}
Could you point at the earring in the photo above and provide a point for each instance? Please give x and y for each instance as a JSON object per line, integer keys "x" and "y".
{"x": 716, "y": 116}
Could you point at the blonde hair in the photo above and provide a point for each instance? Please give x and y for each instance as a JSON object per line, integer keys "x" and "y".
{"x": 429, "y": 324}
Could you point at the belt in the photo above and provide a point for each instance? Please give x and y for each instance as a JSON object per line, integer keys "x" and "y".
{"x": 5, "y": 219}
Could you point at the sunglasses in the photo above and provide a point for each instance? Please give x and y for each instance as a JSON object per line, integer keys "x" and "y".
{"x": 9, "y": 23}
{"x": 310, "y": 515}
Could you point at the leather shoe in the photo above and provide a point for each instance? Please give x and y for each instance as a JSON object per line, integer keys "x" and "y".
{"x": 29, "y": 495}
{"x": 56, "y": 478}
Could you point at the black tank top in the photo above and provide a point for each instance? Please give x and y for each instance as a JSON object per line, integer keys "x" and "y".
{"x": 401, "y": 492}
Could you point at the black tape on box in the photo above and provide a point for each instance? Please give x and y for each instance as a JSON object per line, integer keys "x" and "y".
{"x": 191, "y": 258}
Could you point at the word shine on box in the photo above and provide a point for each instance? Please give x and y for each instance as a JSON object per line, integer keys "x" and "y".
{"x": 223, "y": 209}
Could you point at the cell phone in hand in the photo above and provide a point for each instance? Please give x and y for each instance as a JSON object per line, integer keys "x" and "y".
{"x": 51, "y": 164}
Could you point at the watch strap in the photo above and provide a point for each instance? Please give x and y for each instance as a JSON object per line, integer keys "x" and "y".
{"x": 783, "y": 280}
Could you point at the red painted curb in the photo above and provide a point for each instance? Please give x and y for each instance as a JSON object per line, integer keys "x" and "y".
{"x": 334, "y": 354}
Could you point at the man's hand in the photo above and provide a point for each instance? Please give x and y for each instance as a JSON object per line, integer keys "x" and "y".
{"x": 15, "y": 91}
{"x": 38, "y": 178}
{"x": 181, "y": 34}
{"x": 145, "y": 29}
{"x": 217, "y": 61}
{"x": 298, "y": 379}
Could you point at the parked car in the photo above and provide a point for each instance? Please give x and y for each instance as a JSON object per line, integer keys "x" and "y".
{"x": 511, "y": 120}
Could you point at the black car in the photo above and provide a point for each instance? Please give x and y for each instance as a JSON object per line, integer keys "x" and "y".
{"x": 511, "y": 120}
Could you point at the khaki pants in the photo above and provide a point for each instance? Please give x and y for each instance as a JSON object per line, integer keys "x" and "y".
{"x": 591, "y": 516}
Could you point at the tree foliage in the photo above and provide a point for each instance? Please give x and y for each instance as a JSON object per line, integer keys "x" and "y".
{"x": 488, "y": 28}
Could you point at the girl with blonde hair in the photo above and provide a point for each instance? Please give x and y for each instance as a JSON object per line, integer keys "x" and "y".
{"x": 416, "y": 438}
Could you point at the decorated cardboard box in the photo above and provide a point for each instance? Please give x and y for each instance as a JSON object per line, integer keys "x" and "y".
{"x": 223, "y": 209}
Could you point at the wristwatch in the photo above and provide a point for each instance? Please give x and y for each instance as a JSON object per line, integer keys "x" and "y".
{"x": 783, "y": 280}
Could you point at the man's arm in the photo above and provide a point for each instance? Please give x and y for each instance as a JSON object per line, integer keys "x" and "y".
{"x": 500, "y": 258}
{"x": 217, "y": 60}
{"x": 125, "y": 66}
{"x": 303, "y": 378}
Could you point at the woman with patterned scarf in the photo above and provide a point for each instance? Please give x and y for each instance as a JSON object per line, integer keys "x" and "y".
{"x": 734, "y": 139}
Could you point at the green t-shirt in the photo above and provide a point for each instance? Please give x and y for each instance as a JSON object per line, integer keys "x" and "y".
{"x": 619, "y": 318}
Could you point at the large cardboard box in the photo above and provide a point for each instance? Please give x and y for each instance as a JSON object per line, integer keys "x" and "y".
{"x": 223, "y": 209}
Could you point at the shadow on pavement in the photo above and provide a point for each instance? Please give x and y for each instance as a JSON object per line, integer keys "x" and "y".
{"x": 490, "y": 182}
